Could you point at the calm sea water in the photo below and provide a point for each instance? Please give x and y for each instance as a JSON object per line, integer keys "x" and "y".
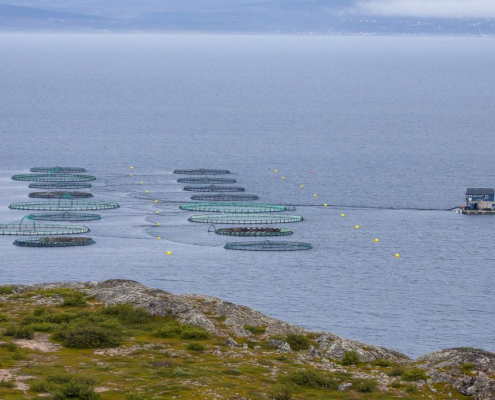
{"x": 383, "y": 122}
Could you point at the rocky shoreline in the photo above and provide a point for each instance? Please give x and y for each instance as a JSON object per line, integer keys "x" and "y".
{"x": 470, "y": 372}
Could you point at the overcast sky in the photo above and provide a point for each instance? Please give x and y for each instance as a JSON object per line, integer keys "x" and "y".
{"x": 428, "y": 8}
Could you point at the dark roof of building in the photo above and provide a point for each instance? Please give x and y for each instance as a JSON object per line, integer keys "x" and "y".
{"x": 480, "y": 191}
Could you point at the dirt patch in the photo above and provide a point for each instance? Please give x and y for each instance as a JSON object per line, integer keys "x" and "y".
{"x": 41, "y": 342}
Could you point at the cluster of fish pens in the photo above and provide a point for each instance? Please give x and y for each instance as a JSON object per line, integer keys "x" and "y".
{"x": 60, "y": 205}
{"x": 230, "y": 205}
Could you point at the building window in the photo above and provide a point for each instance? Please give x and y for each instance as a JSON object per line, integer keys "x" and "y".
{"x": 486, "y": 196}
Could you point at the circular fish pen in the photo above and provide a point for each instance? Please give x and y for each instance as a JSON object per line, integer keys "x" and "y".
{"x": 54, "y": 242}
{"x": 245, "y": 218}
{"x": 63, "y": 170}
{"x": 202, "y": 171}
{"x": 268, "y": 245}
{"x": 233, "y": 207}
{"x": 214, "y": 188}
{"x": 31, "y": 228}
{"x": 254, "y": 232}
{"x": 206, "y": 180}
{"x": 60, "y": 195}
{"x": 65, "y": 216}
{"x": 64, "y": 205}
{"x": 225, "y": 197}
{"x": 54, "y": 178}
{"x": 59, "y": 185}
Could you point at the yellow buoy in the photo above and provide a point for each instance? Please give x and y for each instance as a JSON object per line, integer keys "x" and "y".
{"x": 325, "y": 205}
{"x": 397, "y": 255}
{"x": 302, "y": 186}
{"x": 159, "y": 238}
{"x": 141, "y": 182}
{"x": 283, "y": 177}
{"x": 357, "y": 227}
{"x": 377, "y": 240}
{"x": 156, "y": 201}
{"x": 157, "y": 224}
{"x": 158, "y": 212}
{"x": 315, "y": 195}
{"x": 132, "y": 174}
{"x": 342, "y": 215}
{"x": 275, "y": 170}
{"x": 132, "y": 167}
{"x": 147, "y": 191}
{"x": 169, "y": 253}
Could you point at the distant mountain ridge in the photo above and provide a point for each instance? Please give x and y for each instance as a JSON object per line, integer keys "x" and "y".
{"x": 250, "y": 16}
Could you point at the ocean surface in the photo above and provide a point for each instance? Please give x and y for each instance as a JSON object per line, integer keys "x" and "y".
{"x": 394, "y": 130}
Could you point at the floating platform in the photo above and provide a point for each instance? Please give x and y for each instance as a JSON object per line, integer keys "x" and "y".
{"x": 54, "y": 178}
{"x": 60, "y": 195}
{"x": 59, "y": 185}
{"x": 64, "y": 205}
{"x": 54, "y": 242}
{"x": 35, "y": 229}
{"x": 254, "y": 232}
{"x": 63, "y": 170}
{"x": 225, "y": 197}
{"x": 206, "y": 180}
{"x": 65, "y": 216}
{"x": 202, "y": 171}
{"x": 214, "y": 188}
{"x": 268, "y": 245}
{"x": 245, "y": 219}
{"x": 476, "y": 212}
{"x": 234, "y": 207}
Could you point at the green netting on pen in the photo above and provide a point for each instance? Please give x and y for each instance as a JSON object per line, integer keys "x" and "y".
{"x": 245, "y": 218}
{"x": 65, "y": 216}
{"x": 206, "y": 180}
{"x": 54, "y": 242}
{"x": 254, "y": 232}
{"x": 29, "y": 227}
{"x": 214, "y": 188}
{"x": 63, "y": 170}
{"x": 54, "y": 178}
{"x": 268, "y": 245}
{"x": 202, "y": 171}
{"x": 60, "y": 195}
{"x": 225, "y": 197}
{"x": 233, "y": 207}
{"x": 64, "y": 205}
{"x": 59, "y": 185}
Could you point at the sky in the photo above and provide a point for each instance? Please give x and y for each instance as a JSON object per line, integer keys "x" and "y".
{"x": 428, "y": 8}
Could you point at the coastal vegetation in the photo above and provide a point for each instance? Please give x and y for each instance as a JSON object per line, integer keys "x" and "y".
{"x": 64, "y": 344}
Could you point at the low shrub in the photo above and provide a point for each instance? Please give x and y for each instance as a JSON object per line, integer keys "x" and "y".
{"x": 75, "y": 390}
{"x": 41, "y": 387}
{"x": 6, "y": 289}
{"x": 298, "y": 342}
{"x": 282, "y": 358}
{"x": 195, "y": 346}
{"x": 255, "y": 330}
{"x": 467, "y": 367}
{"x": 75, "y": 300}
{"x": 17, "y": 356}
{"x": 317, "y": 379}
{"x": 396, "y": 385}
{"x": 383, "y": 363}
{"x": 397, "y": 371}
{"x": 350, "y": 358}
{"x": 181, "y": 372}
{"x": 20, "y": 332}
{"x": 43, "y": 327}
{"x": 135, "y": 396}
{"x": 282, "y": 391}
{"x": 8, "y": 384}
{"x": 191, "y": 333}
{"x": 169, "y": 330}
{"x": 414, "y": 374}
{"x": 365, "y": 386}
{"x": 85, "y": 334}
{"x": 232, "y": 371}
{"x": 10, "y": 346}
{"x": 411, "y": 389}
{"x": 39, "y": 311}
{"x": 3, "y": 317}
{"x": 128, "y": 314}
